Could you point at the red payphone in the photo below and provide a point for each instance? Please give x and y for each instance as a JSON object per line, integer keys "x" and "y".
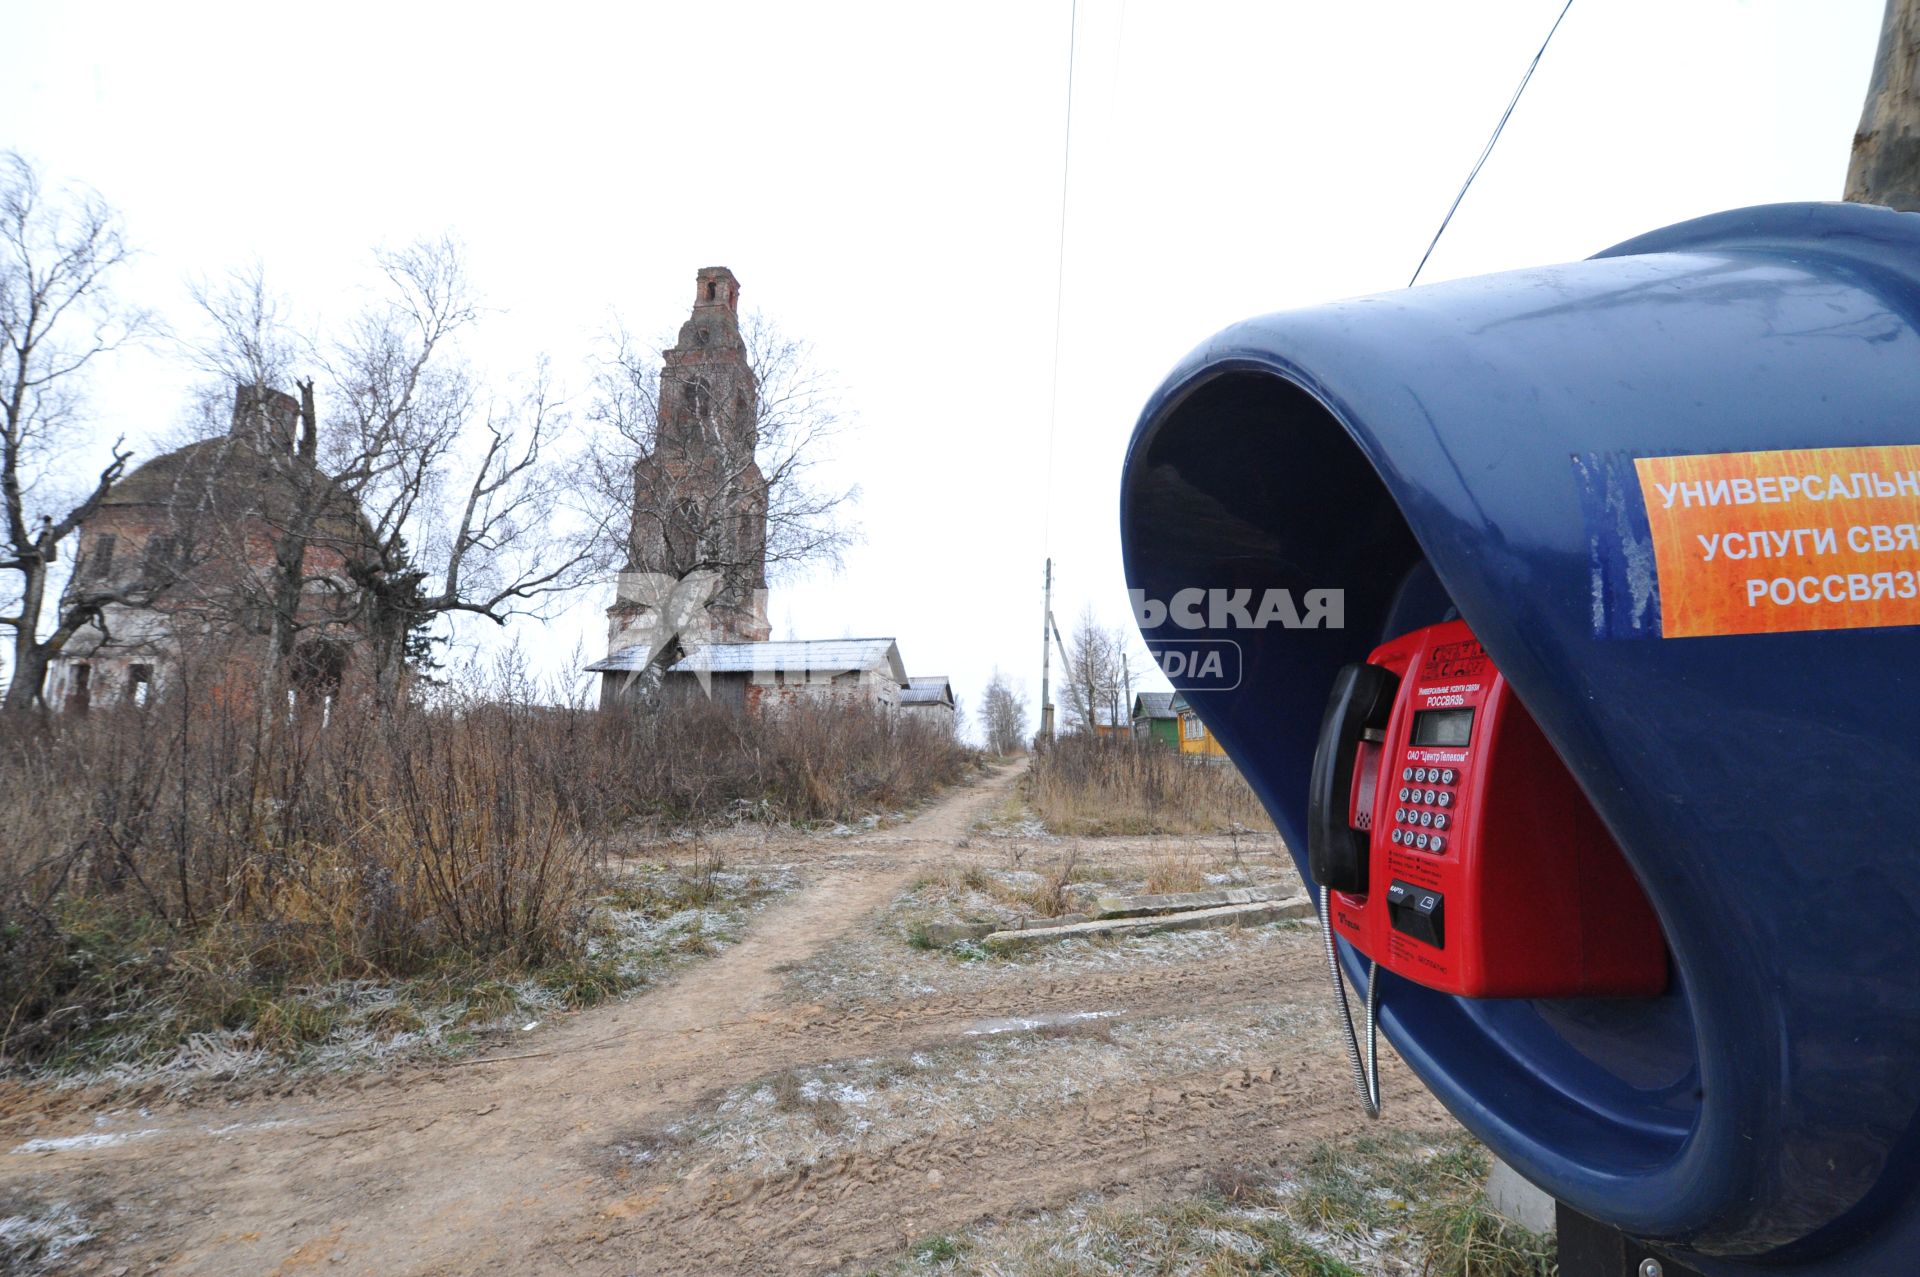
{"x": 1455, "y": 848}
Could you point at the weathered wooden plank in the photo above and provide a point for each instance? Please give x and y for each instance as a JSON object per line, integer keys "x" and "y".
{"x": 1252, "y": 914}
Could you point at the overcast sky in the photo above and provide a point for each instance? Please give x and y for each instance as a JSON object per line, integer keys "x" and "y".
{"x": 885, "y": 180}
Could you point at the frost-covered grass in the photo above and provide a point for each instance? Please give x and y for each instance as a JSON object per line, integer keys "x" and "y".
{"x": 37, "y": 1237}
{"x": 1011, "y": 817}
{"x": 1392, "y": 1205}
{"x": 1041, "y": 880}
{"x": 906, "y": 953}
{"x": 1005, "y": 1070}
{"x": 883, "y": 965}
{"x": 649, "y": 919}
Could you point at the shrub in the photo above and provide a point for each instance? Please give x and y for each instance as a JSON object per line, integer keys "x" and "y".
{"x": 1087, "y": 785}
{"x": 195, "y": 856}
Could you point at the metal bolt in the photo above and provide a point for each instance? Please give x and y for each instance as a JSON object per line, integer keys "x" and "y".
{"x": 1651, "y": 1268}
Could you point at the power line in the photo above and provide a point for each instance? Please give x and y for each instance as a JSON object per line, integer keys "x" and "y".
{"x": 1487, "y": 150}
{"x": 1053, "y": 396}
{"x": 1059, "y": 283}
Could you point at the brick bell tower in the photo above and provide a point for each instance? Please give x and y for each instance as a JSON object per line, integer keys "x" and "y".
{"x": 699, "y": 498}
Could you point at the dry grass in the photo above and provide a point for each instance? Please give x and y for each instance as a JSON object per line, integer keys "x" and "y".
{"x": 1175, "y": 872}
{"x": 1057, "y": 877}
{"x": 1083, "y": 786}
{"x": 792, "y": 1095}
{"x": 197, "y": 858}
{"x": 1047, "y": 898}
{"x": 1379, "y": 1206}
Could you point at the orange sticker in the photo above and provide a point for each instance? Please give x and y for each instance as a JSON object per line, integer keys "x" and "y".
{"x": 1803, "y": 539}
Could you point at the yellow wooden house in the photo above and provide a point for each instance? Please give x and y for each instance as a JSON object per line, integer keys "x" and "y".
{"x": 1194, "y": 736}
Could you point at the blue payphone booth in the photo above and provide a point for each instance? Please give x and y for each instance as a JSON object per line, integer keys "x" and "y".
{"x": 1670, "y": 496}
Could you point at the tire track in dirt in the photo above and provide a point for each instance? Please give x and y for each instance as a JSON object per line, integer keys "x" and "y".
{"x": 1223, "y": 980}
{"x": 868, "y": 1203}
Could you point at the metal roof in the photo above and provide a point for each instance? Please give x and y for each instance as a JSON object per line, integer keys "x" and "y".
{"x": 927, "y": 691}
{"x": 1153, "y": 705}
{"x": 928, "y": 680}
{"x": 827, "y": 655}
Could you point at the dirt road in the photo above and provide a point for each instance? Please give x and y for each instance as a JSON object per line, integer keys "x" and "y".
{"x": 604, "y": 1144}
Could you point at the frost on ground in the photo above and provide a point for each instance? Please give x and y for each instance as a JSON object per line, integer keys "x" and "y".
{"x": 652, "y": 919}
{"x": 110, "y": 1131}
{"x": 1392, "y": 1205}
{"x": 36, "y": 1238}
{"x": 1031, "y": 829}
{"x": 890, "y": 959}
{"x": 881, "y": 968}
{"x": 805, "y": 1116}
{"x": 1033, "y": 880}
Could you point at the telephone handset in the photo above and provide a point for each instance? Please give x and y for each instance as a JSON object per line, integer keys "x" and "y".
{"x": 1455, "y": 848}
{"x": 1350, "y": 739}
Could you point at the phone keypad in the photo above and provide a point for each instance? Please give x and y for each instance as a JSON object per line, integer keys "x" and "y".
{"x": 1422, "y": 808}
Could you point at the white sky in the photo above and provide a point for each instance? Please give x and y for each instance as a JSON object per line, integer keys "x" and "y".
{"x": 885, "y": 180}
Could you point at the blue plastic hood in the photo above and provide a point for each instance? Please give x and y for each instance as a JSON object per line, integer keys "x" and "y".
{"x": 1468, "y": 449}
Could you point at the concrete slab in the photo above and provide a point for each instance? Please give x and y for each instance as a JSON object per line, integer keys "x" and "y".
{"x": 1180, "y": 901}
{"x": 1517, "y": 1201}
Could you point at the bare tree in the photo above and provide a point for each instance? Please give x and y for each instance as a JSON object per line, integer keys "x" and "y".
{"x": 464, "y": 487}
{"x": 794, "y": 415}
{"x": 416, "y": 495}
{"x": 263, "y": 476}
{"x": 1096, "y": 683}
{"x": 58, "y": 314}
{"x": 1003, "y": 716}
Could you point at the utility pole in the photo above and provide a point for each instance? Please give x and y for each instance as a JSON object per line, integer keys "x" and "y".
{"x": 1046, "y": 658}
{"x": 1066, "y": 662}
{"x": 1885, "y": 168}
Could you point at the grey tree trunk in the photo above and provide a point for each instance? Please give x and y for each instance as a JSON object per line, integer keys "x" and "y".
{"x": 30, "y": 656}
{"x": 1886, "y": 149}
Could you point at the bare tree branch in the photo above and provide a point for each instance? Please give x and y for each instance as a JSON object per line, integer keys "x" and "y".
{"x": 795, "y": 418}
{"x": 57, "y": 316}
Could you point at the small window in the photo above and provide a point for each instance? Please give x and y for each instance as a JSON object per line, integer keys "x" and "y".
{"x": 1193, "y": 728}
{"x": 100, "y": 558}
{"x": 713, "y": 290}
{"x": 139, "y": 684}
{"x": 159, "y": 560}
{"x": 79, "y": 690}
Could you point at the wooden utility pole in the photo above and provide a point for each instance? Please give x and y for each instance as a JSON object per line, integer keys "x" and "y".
{"x": 1886, "y": 148}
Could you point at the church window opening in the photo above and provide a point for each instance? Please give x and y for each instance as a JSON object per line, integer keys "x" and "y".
{"x": 100, "y": 562}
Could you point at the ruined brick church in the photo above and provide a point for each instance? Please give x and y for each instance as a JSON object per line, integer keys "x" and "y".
{"x": 185, "y": 547}
{"x": 691, "y": 604}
